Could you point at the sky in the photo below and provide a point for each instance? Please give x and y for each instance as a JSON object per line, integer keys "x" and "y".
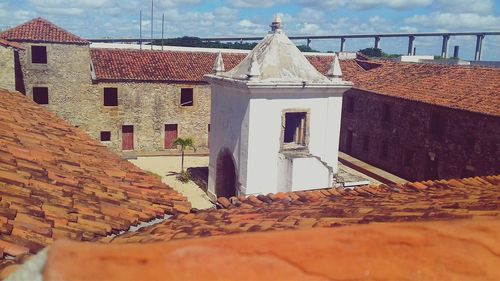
{"x": 215, "y": 18}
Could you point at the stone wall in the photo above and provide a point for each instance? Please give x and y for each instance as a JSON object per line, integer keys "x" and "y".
{"x": 466, "y": 144}
{"x": 66, "y": 75}
{"x": 7, "y": 69}
{"x": 148, "y": 107}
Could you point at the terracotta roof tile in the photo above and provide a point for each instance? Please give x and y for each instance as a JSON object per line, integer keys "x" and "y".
{"x": 421, "y": 201}
{"x": 462, "y": 87}
{"x": 56, "y": 182}
{"x": 41, "y": 30}
{"x": 468, "y": 88}
{"x": 388, "y": 251}
{"x": 6, "y": 43}
{"x": 157, "y": 66}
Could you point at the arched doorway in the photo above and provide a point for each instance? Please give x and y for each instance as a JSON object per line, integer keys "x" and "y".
{"x": 225, "y": 178}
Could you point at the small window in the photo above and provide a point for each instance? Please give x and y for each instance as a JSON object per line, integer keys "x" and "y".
{"x": 41, "y": 95}
{"x": 386, "y": 113}
{"x": 366, "y": 143}
{"x": 384, "y": 150}
{"x": 110, "y": 97}
{"x": 105, "y": 136}
{"x": 349, "y": 104}
{"x": 187, "y": 97}
{"x": 437, "y": 125}
{"x": 408, "y": 158}
{"x": 295, "y": 128}
{"x": 39, "y": 54}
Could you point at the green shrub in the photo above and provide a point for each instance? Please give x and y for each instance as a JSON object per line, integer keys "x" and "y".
{"x": 184, "y": 176}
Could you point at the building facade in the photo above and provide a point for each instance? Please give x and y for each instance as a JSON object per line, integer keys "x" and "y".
{"x": 137, "y": 101}
{"x": 274, "y": 114}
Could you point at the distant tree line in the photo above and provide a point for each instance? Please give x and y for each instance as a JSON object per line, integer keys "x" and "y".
{"x": 187, "y": 41}
{"x": 377, "y": 53}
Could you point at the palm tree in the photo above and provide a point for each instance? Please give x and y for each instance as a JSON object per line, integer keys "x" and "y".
{"x": 184, "y": 143}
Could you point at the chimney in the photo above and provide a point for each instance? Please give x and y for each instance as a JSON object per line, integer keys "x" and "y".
{"x": 455, "y": 51}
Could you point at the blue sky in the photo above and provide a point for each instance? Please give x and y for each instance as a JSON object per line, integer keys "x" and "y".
{"x": 118, "y": 18}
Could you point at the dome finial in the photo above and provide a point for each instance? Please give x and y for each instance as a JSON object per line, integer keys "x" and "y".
{"x": 276, "y": 24}
{"x": 335, "y": 72}
{"x": 219, "y": 64}
{"x": 254, "y": 70}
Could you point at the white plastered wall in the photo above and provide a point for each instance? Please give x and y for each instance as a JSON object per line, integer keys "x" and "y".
{"x": 266, "y": 107}
{"x": 229, "y": 129}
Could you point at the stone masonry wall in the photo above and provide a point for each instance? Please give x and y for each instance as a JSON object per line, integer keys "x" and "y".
{"x": 66, "y": 75}
{"x": 148, "y": 107}
{"x": 469, "y": 145}
{"x": 7, "y": 69}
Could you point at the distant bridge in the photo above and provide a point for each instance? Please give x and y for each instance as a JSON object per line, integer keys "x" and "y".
{"x": 411, "y": 39}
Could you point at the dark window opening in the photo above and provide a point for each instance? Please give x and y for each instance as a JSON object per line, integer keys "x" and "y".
{"x": 349, "y": 104}
{"x": 386, "y": 113}
{"x": 384, "y": 150}
{"x": 41, "y": 95}
{"x": 366, "y": 143}
{"x": 39, "y": 54}
{"x": 105, "y": 136}
{"x": 187, "y": 97}
{"x": 295, "y": 128}
{"x": 437, "y": 124}
{"x": 208, "y": 135}
{"x": 408, "y": 158}
{"x": 110, "y": 97}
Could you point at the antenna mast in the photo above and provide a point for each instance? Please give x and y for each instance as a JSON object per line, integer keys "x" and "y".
{"x": 140, "y": 29}
{"x": 152, "y": 24}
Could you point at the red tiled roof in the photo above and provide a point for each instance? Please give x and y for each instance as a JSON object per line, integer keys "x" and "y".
{"x": 14, "y": 45}
{"x": 469, "y": 88}
{"x": 156, "y": 66}
{"x": 56, "y": 182}
{"x": 474, "y": 89}
{"x": 458, "y": 250}
{"x": 41, "y": 30}
{"x": 420, "y": 201}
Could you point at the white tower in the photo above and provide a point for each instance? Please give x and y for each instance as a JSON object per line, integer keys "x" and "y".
{"x": 275, "y": 121}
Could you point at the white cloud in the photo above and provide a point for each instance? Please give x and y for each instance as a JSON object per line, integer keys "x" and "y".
{"x": 465, "y": 6}
{"x": 366, "y": 4}
{"x": 255, "y": 3}
{"x": 394, "y": 4}
{"x": 72, "y": 8}
{"x": 455, "y": 22}
{"x": 175, "y": 3}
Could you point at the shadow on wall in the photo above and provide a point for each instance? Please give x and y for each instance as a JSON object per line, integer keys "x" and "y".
{"x": 225, "y": 178}
{"x": 199, "y": 175}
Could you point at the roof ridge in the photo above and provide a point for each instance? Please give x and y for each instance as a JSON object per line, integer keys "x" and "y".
{"x": 41, "y": 30}
{"x": 364, "y": 191}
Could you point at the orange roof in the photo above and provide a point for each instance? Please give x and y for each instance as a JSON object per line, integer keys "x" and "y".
{"x": 474, "y": 89}
{"x": 41, "y": 30}
{"x": 14, "y": 45}
{"x": 156, "y": 66}
{"x": 56, "y": 182}
{"x": 458, "y": 250}
{"x": 469, "y": 88}
{"x": 431, "y": 200}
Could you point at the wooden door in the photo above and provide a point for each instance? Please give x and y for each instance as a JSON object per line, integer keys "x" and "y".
{"x": 170, "y": 135}
{"x": 128, "y": 137}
